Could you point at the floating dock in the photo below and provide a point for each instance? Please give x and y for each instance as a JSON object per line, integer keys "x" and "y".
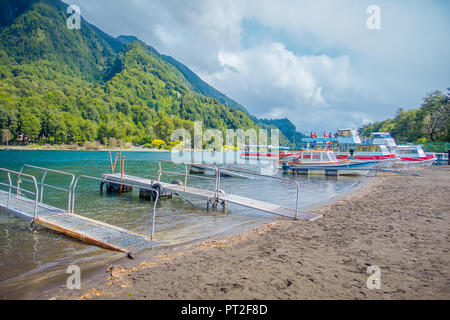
{"x": 27, "y": 203}
{"x": 63, "y": 221}
{"x": 214, "y": 196}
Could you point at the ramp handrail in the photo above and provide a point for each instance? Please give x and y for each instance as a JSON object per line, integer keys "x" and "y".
{"x": 18, "y": 189}
{"x": 186, "y": 174}
{"x": 121, "y": 183}
{"x": 44, "y": 176}
{"x": 297, "y": 185}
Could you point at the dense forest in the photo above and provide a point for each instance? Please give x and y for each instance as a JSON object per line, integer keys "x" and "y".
{"x": 62, "y": 86}
{"x": 84, "y": 87}
{"x": 429, "y": 123}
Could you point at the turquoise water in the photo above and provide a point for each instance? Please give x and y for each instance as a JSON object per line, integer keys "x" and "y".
{"x": 27, "y": 256}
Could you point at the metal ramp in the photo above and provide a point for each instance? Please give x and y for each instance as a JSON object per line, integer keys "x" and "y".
{"x": 216, "y": 196}
{"x": 270, "y": 207}
{"x": 65, "y": 221}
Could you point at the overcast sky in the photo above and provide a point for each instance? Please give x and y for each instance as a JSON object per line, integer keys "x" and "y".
{"x": 315, "y": 62}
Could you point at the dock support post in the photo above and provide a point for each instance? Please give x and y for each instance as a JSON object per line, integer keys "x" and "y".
{"x": 9, "y": 190}
{"x": 333, "y": 173}
{"x": 122, "y": 168}
{"x": 115, "y": 162}
{"x": 302, "y": 171}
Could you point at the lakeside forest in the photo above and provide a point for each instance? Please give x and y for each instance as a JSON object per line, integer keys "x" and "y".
{"x": 429, "y": 123}
{"x": 85, "y": 88}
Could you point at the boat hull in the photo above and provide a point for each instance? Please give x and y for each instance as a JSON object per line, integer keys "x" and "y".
{"x": 346, "y": 168}
{"x": 417, "y": 161}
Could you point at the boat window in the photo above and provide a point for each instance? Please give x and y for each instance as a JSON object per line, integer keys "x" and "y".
{"x": 345, "y": 133}
{"x": 368, "y": 148}
{"x": 307, "y": 156}
{"x": 407, "y": 151}
{"x": 381, "y": 136}
{"x": 332, "y": 156}
{"x": 316, "y": 156}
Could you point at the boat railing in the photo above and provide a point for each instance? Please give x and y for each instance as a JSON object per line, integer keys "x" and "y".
{"x": 42, "y": 183}
{"x": 186, "y": 173}
{"x": 19, "y": 189}
{"x": 104, "y": 180}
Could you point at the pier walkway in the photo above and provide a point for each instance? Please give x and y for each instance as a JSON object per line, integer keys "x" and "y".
{"x": 63, "y": 221}
{"x": 215, "y": 196}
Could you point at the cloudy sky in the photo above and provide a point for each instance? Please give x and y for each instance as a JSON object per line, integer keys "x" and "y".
{"x": 313, "y": 61}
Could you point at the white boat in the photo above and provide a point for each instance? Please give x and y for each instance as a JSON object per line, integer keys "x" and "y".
{"x": 369, "y": 153}
{"x": 380, "y": 149}
{"x": 384, "y": 138}
{"x": 266, "y": 153}
{"x": 323, "y": 162}
{"x": 413, "y": 155}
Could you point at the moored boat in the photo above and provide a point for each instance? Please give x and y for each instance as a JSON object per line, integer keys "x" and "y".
{"x": 369, "y": 153}
{"x": 414, "y": 155}
{"x": 324, "y": 162}
{"x": 266, "y": 153}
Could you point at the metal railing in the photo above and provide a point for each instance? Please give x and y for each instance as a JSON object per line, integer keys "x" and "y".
{"x": 218, "y": 174}
{"x": 120, "y": 183}
{"x": 19, "y": 190}
{"x": 297, "y": 185}
{"x": 186, "y": 173}
{"x": 43, "y": 184}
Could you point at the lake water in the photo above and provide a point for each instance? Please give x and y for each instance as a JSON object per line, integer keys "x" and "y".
{"x": 27, "y": 257}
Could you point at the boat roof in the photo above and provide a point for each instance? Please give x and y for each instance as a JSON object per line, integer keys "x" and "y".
{"x": 268, "y": 146}
{"x": 410, "y": 146}
{"x": 316, "y": 150}
{"x": 382, "y": 132}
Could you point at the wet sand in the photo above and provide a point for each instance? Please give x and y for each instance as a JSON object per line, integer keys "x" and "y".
{"x": 399, "y": 223}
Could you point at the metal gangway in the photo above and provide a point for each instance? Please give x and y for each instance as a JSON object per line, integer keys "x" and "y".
{"x": 216, "y": 196}
{"x": 65, "y": 221}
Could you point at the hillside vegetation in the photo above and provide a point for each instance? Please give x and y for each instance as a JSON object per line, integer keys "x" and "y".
{"x": 74, "y": 86}
{"x": 429, "y": 123}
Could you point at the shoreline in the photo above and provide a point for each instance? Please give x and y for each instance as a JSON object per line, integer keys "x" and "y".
{"x": 324, "y": 259}
{"x": 399, "y": 223}
{"x": 47, "y": 288}
{"x": 63, "y": 148}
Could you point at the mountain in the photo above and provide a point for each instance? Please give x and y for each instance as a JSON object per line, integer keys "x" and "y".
{"x": 36, "y": 30}
{"x": 286, "y": 127}
{"x": 202, "y": 87}
{"x": 71, "y": 86}
{"x": 196, "y": 83}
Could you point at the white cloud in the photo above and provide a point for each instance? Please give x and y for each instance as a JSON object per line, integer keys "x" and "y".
{"x": 274, "y": 82}
{"x": 326, "y": 70}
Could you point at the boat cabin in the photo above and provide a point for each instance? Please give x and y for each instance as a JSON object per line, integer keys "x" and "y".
{"x": 411, "y": 151}
{"x": 348, "y": 136}
{"x": 314, "y": 156}
{"x": 383, "y": 138}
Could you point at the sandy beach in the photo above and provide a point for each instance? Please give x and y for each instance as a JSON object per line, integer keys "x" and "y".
{"x": 399, "y": 223}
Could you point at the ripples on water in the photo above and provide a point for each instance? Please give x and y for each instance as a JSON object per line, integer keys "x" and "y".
{"x": 26, "y": 255}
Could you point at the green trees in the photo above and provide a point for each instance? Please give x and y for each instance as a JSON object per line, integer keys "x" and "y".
{"x": 6, "y": 136}
{"x": 76, "y": 86}
{"x": 29, "y": 126}
{"x": 429, "y": 123}
{"x": 436, "y": 109}
{"x": 145, "y": 100}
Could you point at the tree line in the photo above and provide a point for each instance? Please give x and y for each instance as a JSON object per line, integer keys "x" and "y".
{"x": 429, "y": 123}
